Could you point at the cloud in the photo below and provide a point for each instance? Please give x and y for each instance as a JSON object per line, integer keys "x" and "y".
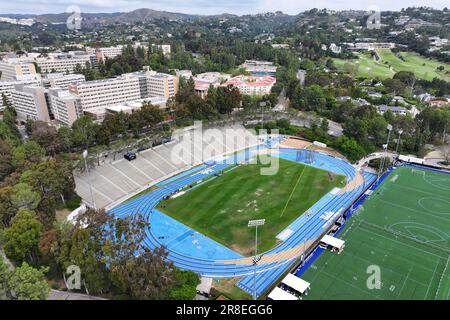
{"x": 206, "y": 6}
{"x": 294, "y": 7}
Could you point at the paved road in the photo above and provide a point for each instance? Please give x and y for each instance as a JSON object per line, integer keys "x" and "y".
{"x": 65, "y": 295}
{"x": 335, "y": 129}
{"x": 435, "y": 162}
{"x": 376, "y": 155}
{"x": 282, "y": 103}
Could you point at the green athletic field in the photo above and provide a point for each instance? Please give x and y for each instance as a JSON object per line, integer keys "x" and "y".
{"x": 404, "y": 228}
{"x": 366, "y": 66}
{"x": 222, "y": 207}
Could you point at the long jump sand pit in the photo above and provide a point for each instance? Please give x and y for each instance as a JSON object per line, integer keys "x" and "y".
{"x": 326, "y": 150}
{"x": 295, "y": 143}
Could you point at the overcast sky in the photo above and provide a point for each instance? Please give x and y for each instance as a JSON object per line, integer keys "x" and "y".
{"x": 207, "y": 6}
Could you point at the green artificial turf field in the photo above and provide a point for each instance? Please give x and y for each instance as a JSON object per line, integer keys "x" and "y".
{"x": 222, "y": 207}
{"x": 404, "y": 228}
{"x": 366, "y": 66}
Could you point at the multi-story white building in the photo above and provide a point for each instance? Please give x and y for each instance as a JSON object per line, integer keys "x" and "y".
{"x": 187, "y": 74}
{"x": 103, "y": 93}
{"x": 252, "y": 85}
{"x": 259, "y": 68}
{"x": 165, "y": 48}
{"x": 335, "y": 49}
{"x": 204, "y": 80}
{"x": 65, "y": 106}
{"x": 99, "y": 114}
{"x": 161, "y": 84}
{"x": 373, "y": 45}
{"x": 60, "y": 80}
{"x": 6, "y": 87}
{"x": 213, "y": 77}
{"x": 154, "y": 84}
{"x": 13, "y": 69}
{"x": 104, "y": 53}
{"x": 65, "y": 62}
{"x": 30, "y": 103}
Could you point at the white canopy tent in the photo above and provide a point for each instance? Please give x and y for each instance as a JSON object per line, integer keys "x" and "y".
{"x": 297, "y": 284}
{"x": 411, "y": 159}
{"x": 280, "y": 294}
{"x": 336, "y": 243}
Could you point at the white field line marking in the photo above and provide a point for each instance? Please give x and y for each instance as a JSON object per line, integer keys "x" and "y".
{"x": 442, "y": 278}
{"x": 293, "y": 190}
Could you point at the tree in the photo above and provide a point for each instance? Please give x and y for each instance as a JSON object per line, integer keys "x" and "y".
{"x": 83, "y": 132}
{"x": 28, "y": 283}
{"x": 351, "y": 148}
{"x": 324, "y": 126}
{"x": 47, "y": 244}
{"x": 135, "y": 270}
{"x": 82, "y": 245}
{"x": 186, "y": 90}
{"x": 26, "y": 154}
{"x": 394, "y": 86}
{"x": 377, "y": 130}
{"x": 4, "y": 277}
{"x": 22, "y": 238}
{"x": 10, "y": 118}
{"x": 65, "y": 138}
{"x": 52, "y": 181}
{"x": 309, "y": 98}
{"x": 25, "y": 197}
{"x": 151, "y": 114}
{"x": 186, "y": 285}
{"x": 8, "y": 128}
{"x": 228, "y": 98}
{"x": 7, "y": 208}
{"x": 408, "y": 78}
{"x": 199, "y": 108}
{"x": 45, "y": 135}
{"x": 115, "y": 124}
{"x": 5, "y": 159}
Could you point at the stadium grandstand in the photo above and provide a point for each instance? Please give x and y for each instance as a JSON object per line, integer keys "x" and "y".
{"x": 114, "y": 181}
{"x": 192, "y": 250}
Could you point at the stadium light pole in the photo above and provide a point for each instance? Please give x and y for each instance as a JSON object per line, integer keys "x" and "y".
{"x": 385, "y": 146}
{"x": 256, "y": 224}
{"x": 85, "y": 155}
{"x": 400, "y": 132}
{"x": 382, "y": 162}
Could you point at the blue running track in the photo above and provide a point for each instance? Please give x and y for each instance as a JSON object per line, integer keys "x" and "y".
{"x": 190, "y": 250}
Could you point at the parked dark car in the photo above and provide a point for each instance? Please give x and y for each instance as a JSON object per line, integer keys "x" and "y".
{"x": 130, "y": 156}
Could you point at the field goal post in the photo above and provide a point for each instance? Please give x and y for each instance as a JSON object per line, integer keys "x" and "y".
{"x": 418, "y": 172}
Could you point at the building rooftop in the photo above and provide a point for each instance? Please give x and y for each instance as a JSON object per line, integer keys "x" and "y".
{"x": 256, "y": 81}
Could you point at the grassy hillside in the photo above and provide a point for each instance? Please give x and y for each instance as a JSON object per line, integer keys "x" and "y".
{"x": 366, "y": 66}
